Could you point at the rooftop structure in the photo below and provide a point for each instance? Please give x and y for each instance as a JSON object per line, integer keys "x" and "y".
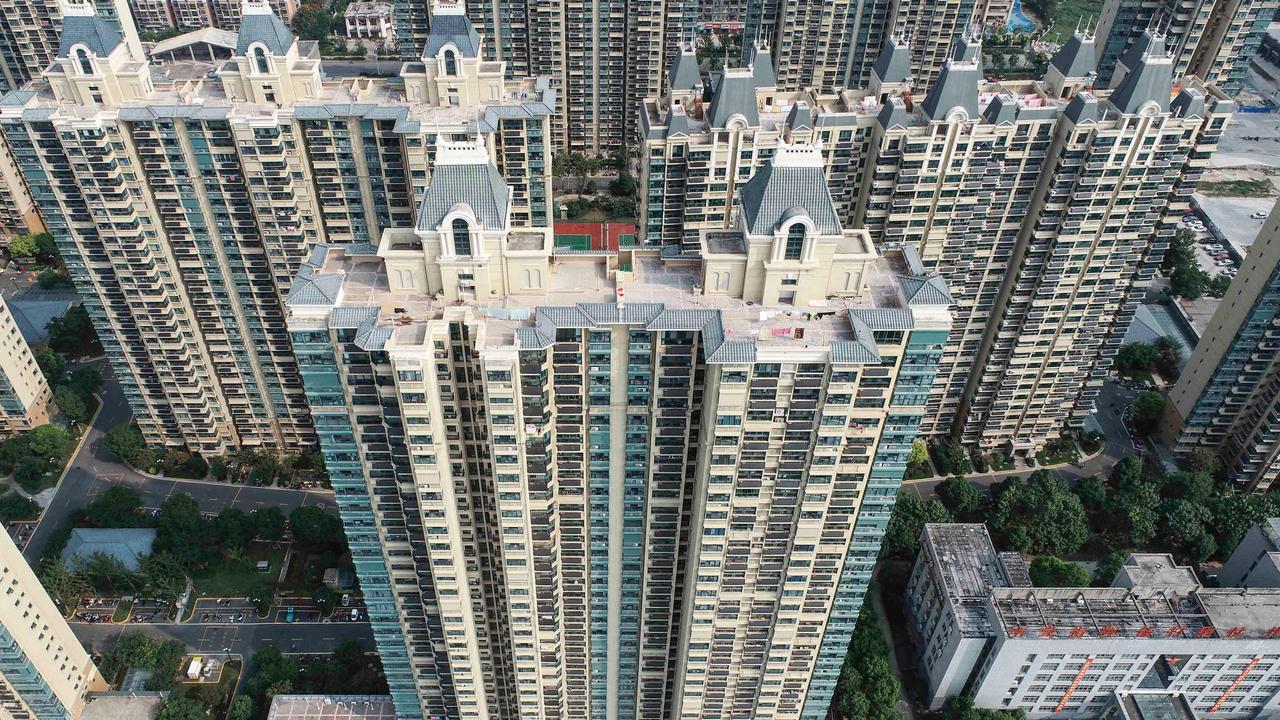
{"x": 127, "y": 545}
{"x": 331, "y": 707}
{"x": 1155, "y": 630}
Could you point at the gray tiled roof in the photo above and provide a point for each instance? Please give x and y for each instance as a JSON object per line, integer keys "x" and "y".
{"x": 477, "y": 186}
{"x": 735, "y": 95}
{"x": 124, "y": 544}
{"x": 1189, "y": 103}
{"x": 317, "y": 289}
{"x": 1001, "y": 109}
{"x": 894, "y": 63}
{"x": 800, "y": 117}
{"x": 956, "y": 86}
{"x": 1147, "y": 81}
{"x": 1147, "y": 42}
{"x": 266, "y": 29}
{"x": 1082, "y": 108}
{"x": 762, "y": 68}
{"x": 677, "y": 121}
{"x": 351, "y": 317}
{"x": 456, "y": 29}
{"x": 884, "y": 318}
{"x": 1076, "y": 58}
{"x": 925, "y": 290}
{"x": 89, "y": 30}
{"x": 684, "y": 74}
{"x": 773, "y": 192}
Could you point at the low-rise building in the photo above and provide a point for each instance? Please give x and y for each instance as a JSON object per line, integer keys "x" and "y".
{"x": 371, "y": 20}
{"x": 984, "y": 631}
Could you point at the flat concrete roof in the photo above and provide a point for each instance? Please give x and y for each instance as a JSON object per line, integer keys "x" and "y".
{"x": 332, "y": 707}
{"x": 122, "y": 706}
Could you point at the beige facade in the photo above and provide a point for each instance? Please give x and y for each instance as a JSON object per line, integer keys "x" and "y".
{"x": 581, "y": 427}
{"x": 1225, "y": 400}
{"x": 285, "y": 158}
{"x": 30, "y": 31}
{"x": 1047, "y": 206}
{"x": 44, "y": 672}
{"x": 24, "y": 392}
{"x": 18, "y": 213}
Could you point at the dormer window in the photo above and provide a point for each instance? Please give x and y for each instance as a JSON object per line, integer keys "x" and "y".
{"x": 82, "y": 59}
{"x": 260, "y": 59}
{"x": 461, "y": 237}
{"x": 450, "y": 63}
{"x": 795, "y": 242}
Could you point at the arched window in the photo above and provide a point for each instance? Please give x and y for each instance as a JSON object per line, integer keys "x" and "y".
{"x": 461, "y": 237}
{"x": 260, "y": 59}
{"x": 795, "y": 242}
{"x": 450, "y": 63}
{"x": 82, "y": 57}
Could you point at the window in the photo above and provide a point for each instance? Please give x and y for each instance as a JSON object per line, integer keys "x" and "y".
{"x": 260, "y": 59}
{"x": 795, "y": 242}
{"x": 82, "y": 57}
{"x": 450, "y": 63}
{"x": 461, "y": 237}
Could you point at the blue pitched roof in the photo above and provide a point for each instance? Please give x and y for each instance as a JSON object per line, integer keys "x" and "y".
{"x": 89, "y": 30}
{"x": 478, "y": 186}
{"x": 456, "y": 29}
{"x": 124, "y": 544}
{"x": 774, "y": 192}
{"x": 266, "y": 29}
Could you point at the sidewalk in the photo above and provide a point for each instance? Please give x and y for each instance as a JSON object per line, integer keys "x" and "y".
{"x": 1100, "y": 463}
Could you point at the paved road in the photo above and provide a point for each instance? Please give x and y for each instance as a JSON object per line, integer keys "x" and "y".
{"x": 243, "y": 639}
{"x": 93, "y": 469}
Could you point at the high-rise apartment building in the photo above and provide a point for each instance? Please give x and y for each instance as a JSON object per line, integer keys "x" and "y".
{"x": 24, "y": 392}
{"x": 1212, "y": 40}
{"x": 1155, "y": 638}
{"x": 18, "y": 212}
{"x": 1048, "y": 207}
{"x": 160, "y": 15}
{"x": 30, "y": 31}
{"x": 185, "y": 198}
{"x": 616, "y": 484}
{"x": 1227, "y": 400}
{"x": 44, "y": 671}
{"x": 834, "y": 45}
{"x": 601, "y": 57}
{"x": 695, "y": 156}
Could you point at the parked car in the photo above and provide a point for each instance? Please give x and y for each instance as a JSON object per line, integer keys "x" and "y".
{"x": 1230, "y": 272}
{"x": 1222, "y": 256}
{"x": 1223, "y": 263}
{"x": 1259, "y": 215}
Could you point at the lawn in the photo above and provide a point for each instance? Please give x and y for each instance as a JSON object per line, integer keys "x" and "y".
{"x": 232, "y": 576}
{"x": 1237, "y": 188}
{"x": 1057, "y": 452}
{"x": 122, "y": 611}
{"x": 999, "y": 462}
{"x": 306, "y": 571}
{"x": 1065, "y": 15}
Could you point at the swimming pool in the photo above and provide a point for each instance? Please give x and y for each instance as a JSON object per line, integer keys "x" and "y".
{"x": 1018, "y": 21}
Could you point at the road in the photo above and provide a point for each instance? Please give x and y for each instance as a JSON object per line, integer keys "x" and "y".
{"x": 93, "y": 469}
{"x": 243, "y": 639}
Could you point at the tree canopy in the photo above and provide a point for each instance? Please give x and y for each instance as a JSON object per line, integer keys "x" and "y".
{"x": 1040, "y": 515}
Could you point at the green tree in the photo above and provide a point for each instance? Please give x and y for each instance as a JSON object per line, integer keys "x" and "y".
{"x": 70, "y": 404}
{"x": 241, "y": 708}
{"x": 32, "y": 474}
{"x": 181, "y": 707}
{"x": 960, "y": 496}
{"x": 1236, "y": 513}
{"x": 316, "y": 528}
{"x": 1186, "y": 525}
{"x": 270, "y": 669}
{"x": 48, "y": 441}
{"x": 313, "y": 21}
{"x": 1039, "y": 515}
{"x": 106, "y": 572}
{"x": 182, "y": 530}
{"x": 950, "y": 458}
{"x": 1188, "y": 282}
{"x": 15, "y": 507}
{"x": 1147, "y": 409}
{"x": 63, "y": 585}
{"x": 325, "y": 598}
{"x": 24, "y": 246}
{"x": 1201, "y": 460}
{"x": 902, "y": 535}
{"x": 85, "y": 381}
{"x": 51, "y": 364}
{"x": 72, "y": 334}
{"x": 1168, "y": 358}
{"x": 50, "y": 278}
{"x": 1136, "y": 356}
{"x": 1218, "y": 286}
{"x": 117, "y": 506}
{"x": 961, "y": 707}
{"x": 1108, "y": 566}
{"x": 165, "y": 577}
{"x": 624, "y": 185}
{"x": 1051, "y": 571}
{"x": 267, "y": 523}
{"x": 261, "y": 596}
{"x": 1092, "y": 492}
{"x": 1181, "y": 252}
{"x": 919, "y": 454}
{"x": 1196, "y": 487}
{"x": 125, "y": 442}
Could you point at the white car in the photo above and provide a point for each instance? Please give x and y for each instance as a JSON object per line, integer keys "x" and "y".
{"x": 1222, "y": 263}
{"x": 1259, "y": 216}
{"x": 1230, "y": 272}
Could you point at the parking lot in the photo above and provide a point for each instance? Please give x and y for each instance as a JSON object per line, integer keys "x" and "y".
{"x": 1211, "y": 255}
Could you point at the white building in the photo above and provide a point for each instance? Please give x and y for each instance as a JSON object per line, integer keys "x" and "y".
{"x": 371, "y": 21}
{"x": 984, "y": 631}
